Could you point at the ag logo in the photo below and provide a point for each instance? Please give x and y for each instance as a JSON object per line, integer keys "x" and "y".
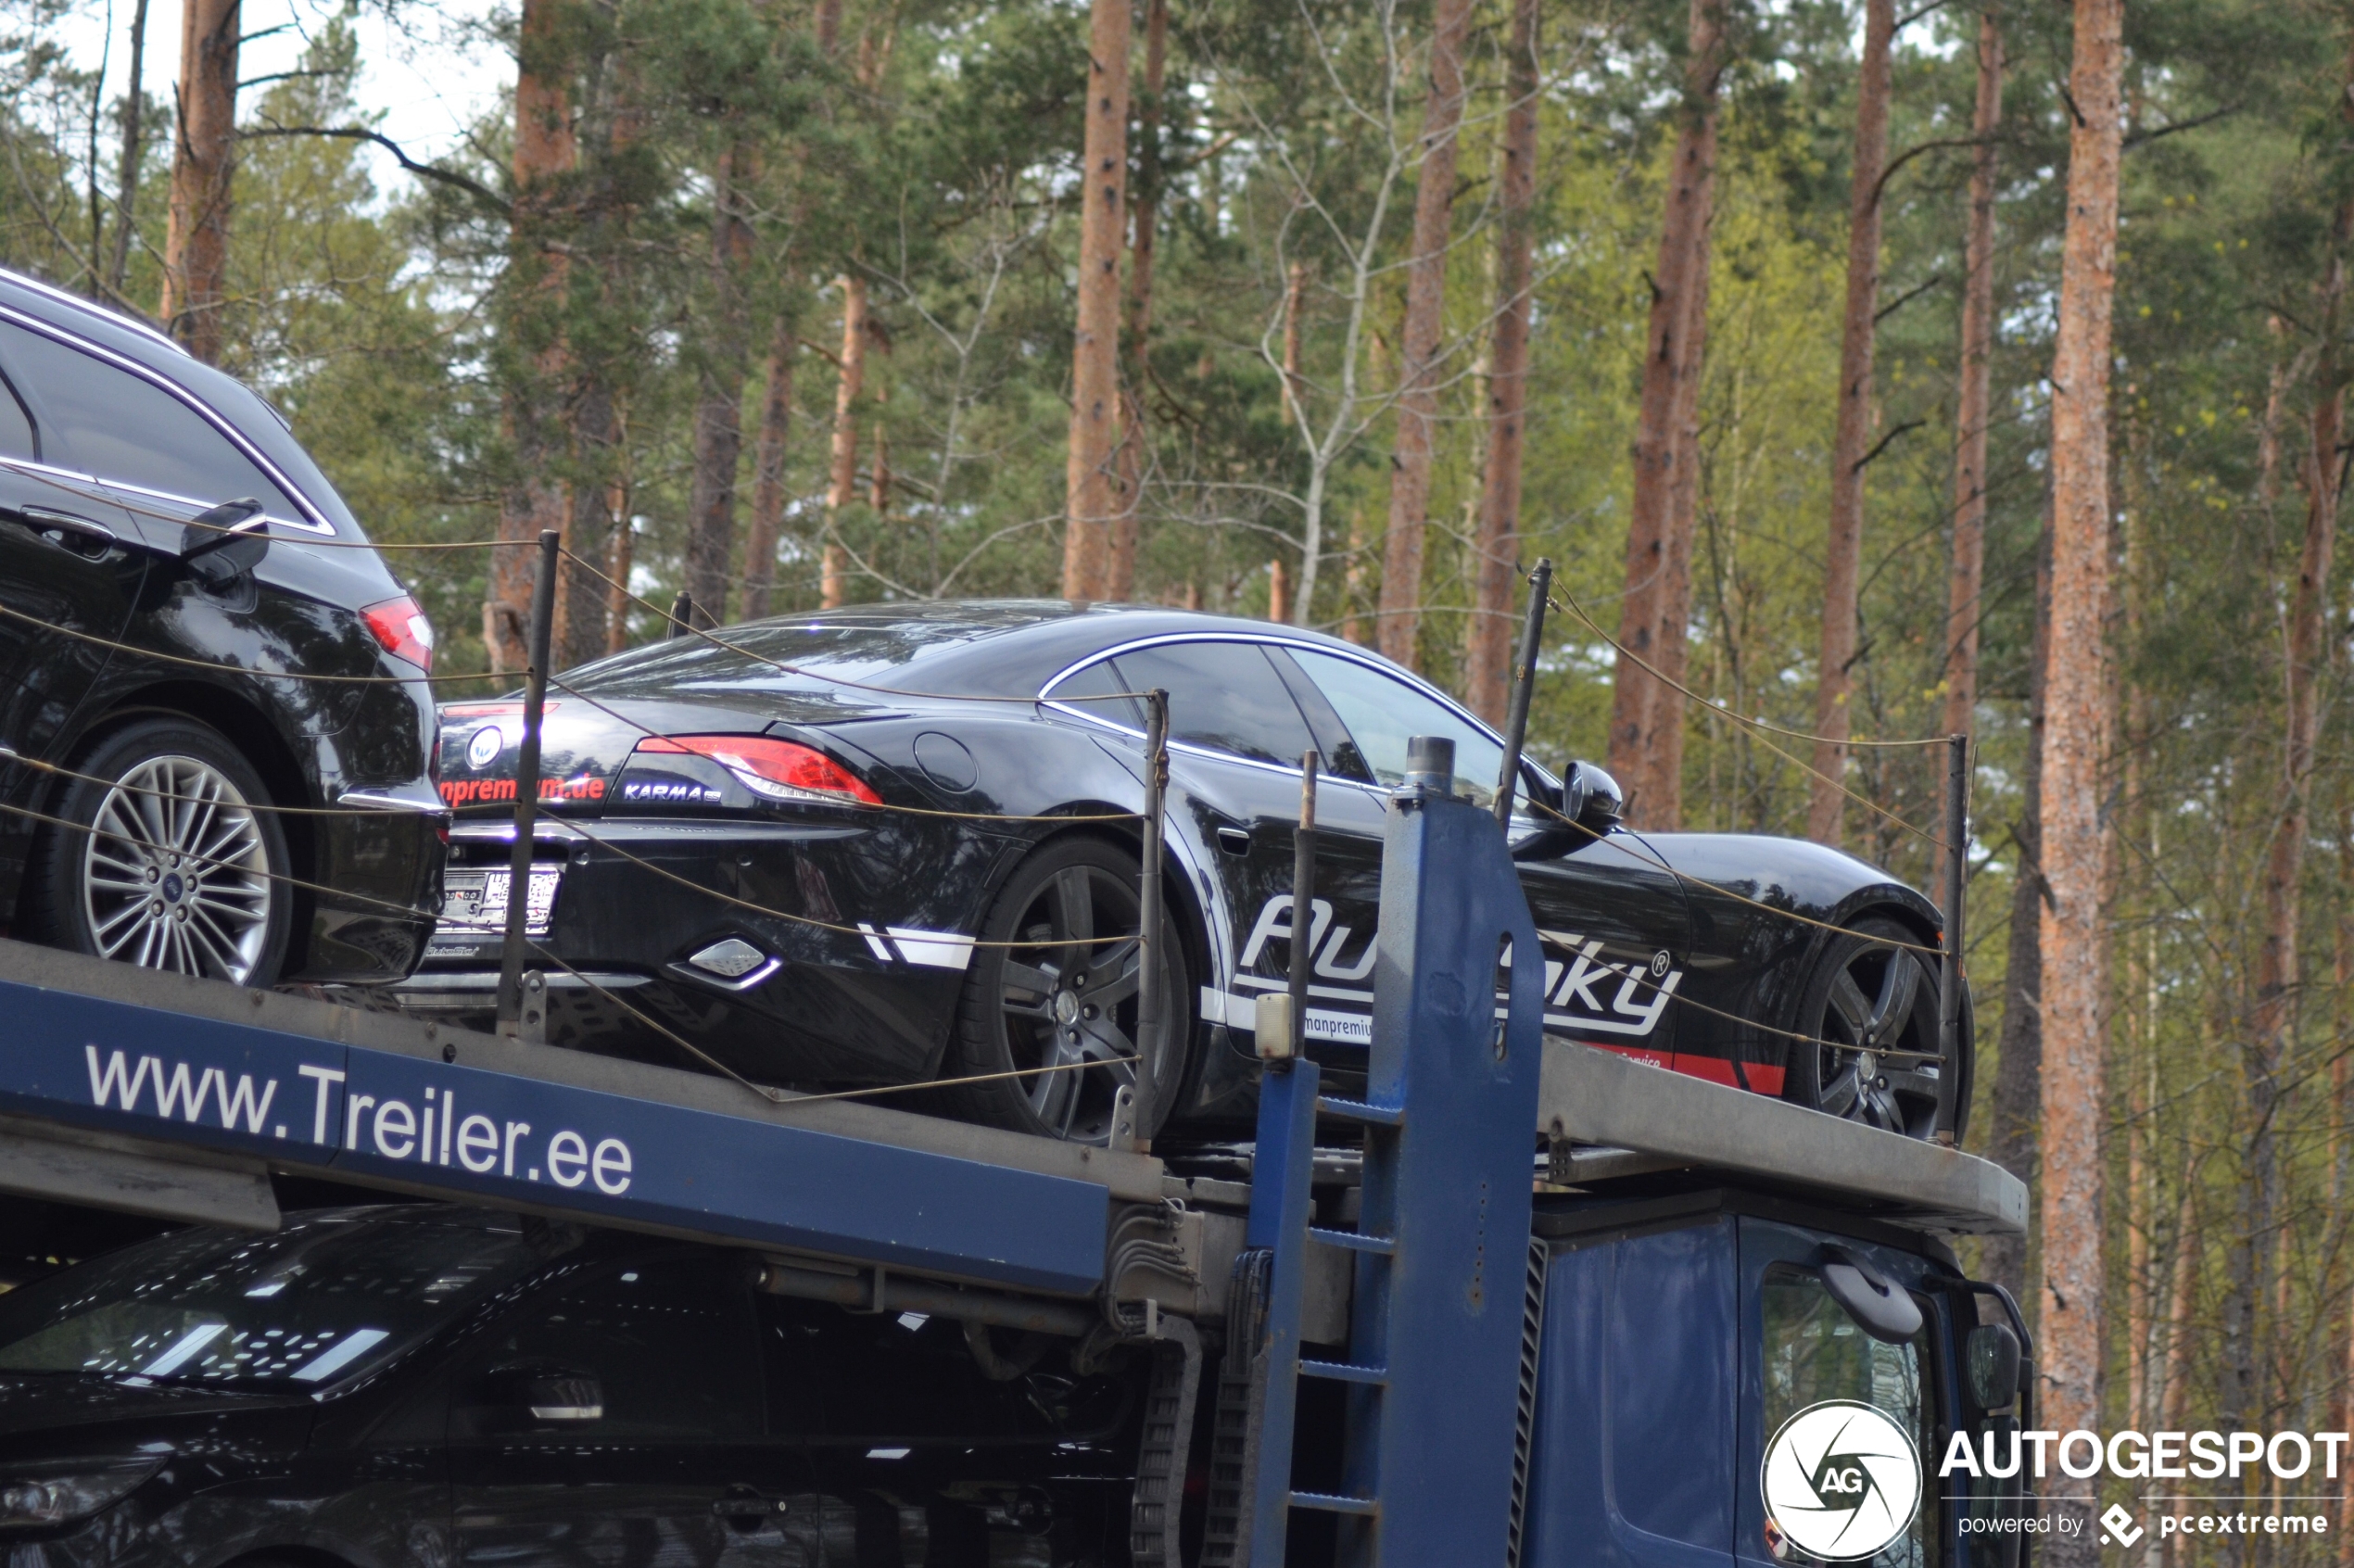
{"x": 1842, "y": 1480}
{"x": 484, "y": 745}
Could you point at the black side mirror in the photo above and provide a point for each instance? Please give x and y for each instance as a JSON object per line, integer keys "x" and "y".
{"x": 1992, "y": 1355}
{"x": 226, "y": 541}
{"x": 540, "y": 1394}
{"x": 1592, "y": 799}
{"x": 1880, "y": 1307}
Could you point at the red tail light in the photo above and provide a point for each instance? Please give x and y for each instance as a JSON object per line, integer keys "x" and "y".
{"x": 778, "y": 769}
{"x": 403, "y": 630}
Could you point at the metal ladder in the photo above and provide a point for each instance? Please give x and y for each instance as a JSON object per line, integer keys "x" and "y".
{"x": 1439, "y": 1327}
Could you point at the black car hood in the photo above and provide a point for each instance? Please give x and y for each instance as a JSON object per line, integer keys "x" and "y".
{"x": 46, "y": 1416}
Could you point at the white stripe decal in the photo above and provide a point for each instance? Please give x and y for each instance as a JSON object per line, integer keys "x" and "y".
{"x": 936, "y": 950}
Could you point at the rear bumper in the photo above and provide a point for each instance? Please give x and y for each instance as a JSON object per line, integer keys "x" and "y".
{"x": 862, "y": 942}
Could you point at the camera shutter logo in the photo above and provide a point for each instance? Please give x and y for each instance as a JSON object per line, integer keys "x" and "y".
{"x": 484, "y": 745}
{"x": 1842, "y": 1480}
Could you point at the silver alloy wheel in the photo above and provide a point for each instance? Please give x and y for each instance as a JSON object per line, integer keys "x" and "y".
{"x": 175, "y": 874}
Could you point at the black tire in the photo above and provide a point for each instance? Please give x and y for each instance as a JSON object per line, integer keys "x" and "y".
{"x": 1872, "y": 1002}
{"x": 168, "y": 864}
{"x": 1035, "y": 1004}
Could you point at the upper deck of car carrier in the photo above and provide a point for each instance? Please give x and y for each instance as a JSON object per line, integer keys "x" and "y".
{"x": 177, "y": 1098}
{"x": 1409, "y": 1229}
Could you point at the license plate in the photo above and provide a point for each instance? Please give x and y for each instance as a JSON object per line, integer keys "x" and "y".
{"x": 474, "y": 902}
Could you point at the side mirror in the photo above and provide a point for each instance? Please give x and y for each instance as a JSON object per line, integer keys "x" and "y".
{"x": 1880, "y": 1307}
{"x": 1992, "y": 1355}
{"x": 226, "y": 540}
{"x": 539, "y": 1394}
{"x": 1592, "y": 799}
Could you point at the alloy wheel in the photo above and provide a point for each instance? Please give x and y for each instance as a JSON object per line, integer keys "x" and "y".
{"x": 176, "y": 872}
{"x": 1876, "y": 1062}
{"x": 1069, "y": 996}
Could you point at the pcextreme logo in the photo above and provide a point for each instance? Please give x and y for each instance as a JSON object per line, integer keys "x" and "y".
{"x": 1841, "y": 1481}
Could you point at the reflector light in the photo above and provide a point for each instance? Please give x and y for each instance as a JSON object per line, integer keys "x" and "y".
{"x": 403, "y": 630}
{"x": 778, "y": 769}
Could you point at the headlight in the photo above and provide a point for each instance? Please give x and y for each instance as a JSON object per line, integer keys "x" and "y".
{"x": 51, "y": 1492}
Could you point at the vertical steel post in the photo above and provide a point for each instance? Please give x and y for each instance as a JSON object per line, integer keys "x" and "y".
{"x": 534, "y": 703}
{"x": 1532, "y": 634}
{"x": 1303, "y": 901}
{"x": 682, "y": 614}
{"x": 1950, "y": 1043}
{"x": 1151, "y": 1047}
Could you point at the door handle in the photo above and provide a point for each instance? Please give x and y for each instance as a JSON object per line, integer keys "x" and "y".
{"x": 43, "y": 520}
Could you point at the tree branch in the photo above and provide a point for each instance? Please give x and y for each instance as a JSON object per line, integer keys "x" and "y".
{"x": 2142, "y": 138}
{"x": 1906, "y": 297}
{"x": 449, "y": 177}
{"x": 1881, "y": 444}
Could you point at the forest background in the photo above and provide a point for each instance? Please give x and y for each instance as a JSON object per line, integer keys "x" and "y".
{"x": 775, "y": 301}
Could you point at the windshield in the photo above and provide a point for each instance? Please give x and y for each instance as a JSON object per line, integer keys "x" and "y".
{"x": 335, "y": 1293}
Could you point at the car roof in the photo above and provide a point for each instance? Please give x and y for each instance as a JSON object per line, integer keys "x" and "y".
{"x": 950, "y": 649}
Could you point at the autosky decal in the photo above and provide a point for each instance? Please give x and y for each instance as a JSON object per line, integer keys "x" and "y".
{"x": 1586, "y": 994}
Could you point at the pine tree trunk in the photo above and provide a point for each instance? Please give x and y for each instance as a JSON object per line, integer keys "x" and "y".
{"x": 2272, "y": 1026}
{"x": 1417, "y": 413}
{"x": 625, "y": 558}
{"x": 775, "y": 413}
{"x": 196, "y": 247}
{"x": 2075, "y": 982}
{"x": 1091, "y": 482}
{"x": 1671, "y": 606}
{"x": 1489, "y": 652}
{"x": 1964, "y": 610}
{"x": 126, "y": 201}
{"x": 1678, "y": 311}
{"x": 768, "y": 472}
{"x": 532, "y": 398}
{"x": 1120, "y": 583}
{"x": 581, "y": 631}
{"x": 1842, "y": 562}
{"x": 2019, "y": 1091}
{"x": 841, "y": 485}
{"x": 719, "y": 401}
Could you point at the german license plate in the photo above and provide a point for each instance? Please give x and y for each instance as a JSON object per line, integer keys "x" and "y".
{"x": 473, "y": 901}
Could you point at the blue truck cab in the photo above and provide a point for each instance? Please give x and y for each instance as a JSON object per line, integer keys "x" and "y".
{"x": 1681, "y": 1333}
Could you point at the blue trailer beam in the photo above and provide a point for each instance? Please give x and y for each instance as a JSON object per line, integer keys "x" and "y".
{"x": 449, "y": 1128}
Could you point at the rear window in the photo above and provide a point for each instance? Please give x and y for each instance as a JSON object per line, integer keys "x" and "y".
{"x": 798, "y": 655}
{"x": 331, "y": 1295}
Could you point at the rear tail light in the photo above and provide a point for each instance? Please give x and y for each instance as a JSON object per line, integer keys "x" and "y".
{"x": 403, "y": 630}
{"x": 778, "y": 769}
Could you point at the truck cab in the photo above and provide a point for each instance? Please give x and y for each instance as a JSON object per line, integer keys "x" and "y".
{"x": 1681, "y": 1333}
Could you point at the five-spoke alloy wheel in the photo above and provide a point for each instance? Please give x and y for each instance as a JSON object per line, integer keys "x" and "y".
{"x": 1871, "y": 1009}
{"x": 1062, "y": 997}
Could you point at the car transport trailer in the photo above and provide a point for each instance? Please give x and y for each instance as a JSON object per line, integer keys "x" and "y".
{"x": 1525, "y": 1302}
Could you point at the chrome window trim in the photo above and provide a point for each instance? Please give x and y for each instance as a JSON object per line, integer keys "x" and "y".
{"x": 1377, "y": 665}
{"x": 129, "y": 323}
{"x": 316, "y": 522}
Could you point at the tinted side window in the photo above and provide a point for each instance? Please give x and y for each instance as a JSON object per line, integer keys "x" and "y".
{"x": 669, "y": 1338}
{"x": 1099, "y": 682}
{"x": 109, "y": 423}
{"x": 1382, "y": 714}
{"x": 16, "y": 428}
{"x": 1224, "y": 696}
